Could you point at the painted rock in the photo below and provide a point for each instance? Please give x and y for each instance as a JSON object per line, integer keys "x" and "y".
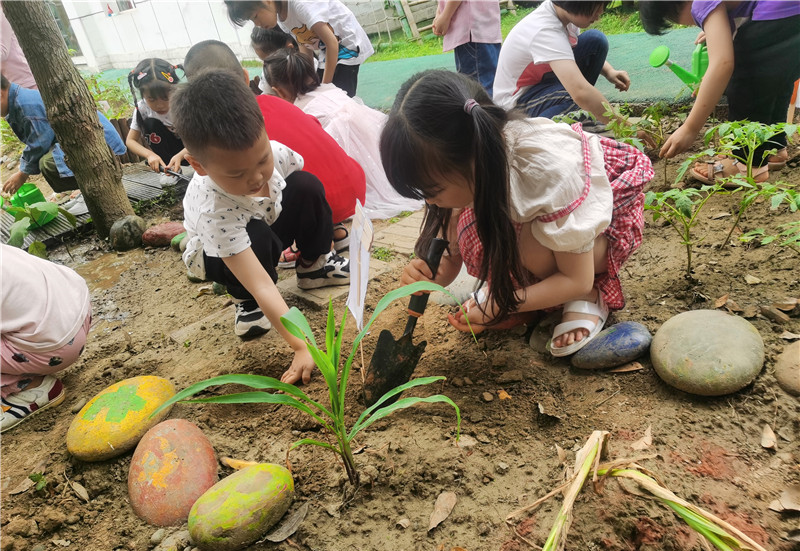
{"x": 176, "y": 241}
{"x": 239, "y": 509}
{"x": 112, "y": 422}
{"x": 787, "y": 369}
{"x": 126, "y": 233}
{"x": 161, "y": 235}
{"x": 613, "y": 346}
{"x": 173, "y": 465}
{"x": 707, "y": 352}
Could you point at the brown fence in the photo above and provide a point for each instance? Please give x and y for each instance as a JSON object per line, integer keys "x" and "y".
{"x": 123, "y": 126}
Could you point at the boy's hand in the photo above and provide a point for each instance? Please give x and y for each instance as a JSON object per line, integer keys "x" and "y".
{"x": 175, "y": 162}
{"x": 301, "y": 368}
{"x": 14, "y": 182}
{"x": 619, "y": 79}
{"x": 154, "y": 162}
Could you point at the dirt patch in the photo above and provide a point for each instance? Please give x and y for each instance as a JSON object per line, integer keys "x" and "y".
{"x": 706, "y": 446}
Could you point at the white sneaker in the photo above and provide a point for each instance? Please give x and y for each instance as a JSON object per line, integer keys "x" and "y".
{"x": 21, "y": 405}
{"x": 329, "y": 269}
{"x": 249, "y": 321}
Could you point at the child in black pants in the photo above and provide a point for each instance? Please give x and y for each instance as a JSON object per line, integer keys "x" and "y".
{"x": 249, "y": 200}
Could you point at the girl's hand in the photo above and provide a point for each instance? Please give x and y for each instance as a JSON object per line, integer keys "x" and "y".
{"x": 479, "y": 311}
{"x": 154, "y": 162}
{"x": 619, "y": 79}
{"x": 416, "y": 270}
{"x": 302, "y": 367}
{"x": 175, "y": 163}
{"x": 701, "y": 38}
{"x": 681, "y": 140}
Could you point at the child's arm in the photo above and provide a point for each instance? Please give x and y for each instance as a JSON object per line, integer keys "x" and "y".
{"x": 175, "y": 162}
{"x": 325, "y": 34}
{"x": 250, "y": 273}
{"x": 135, "y": 146}
{"x": 580, "y": 90}
{"x": 441, "y": 23}
{"x": 719, "y": 42}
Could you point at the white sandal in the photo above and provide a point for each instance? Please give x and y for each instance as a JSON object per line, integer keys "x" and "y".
{"x": 598, "y": 309}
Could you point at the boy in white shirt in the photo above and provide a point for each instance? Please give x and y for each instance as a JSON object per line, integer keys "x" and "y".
{"x": 248, "y": 201}
{"x": 548, "y": 67}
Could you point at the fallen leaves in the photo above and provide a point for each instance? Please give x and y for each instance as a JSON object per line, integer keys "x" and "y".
{"x": 768, "y": 438}
{"x": 627, "y": 368}
{"x": 289, "y": 526}
{"x": 236, "y": 464}
{"x": 789, "y": 500}
{"x": 80, "y": 491}
{"x": 645, "y": 441}
{"x": 442, "y": 509}
{"x": 503, "y": 395}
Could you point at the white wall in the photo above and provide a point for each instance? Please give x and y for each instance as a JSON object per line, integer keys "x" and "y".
{"x": 168, "y": 28}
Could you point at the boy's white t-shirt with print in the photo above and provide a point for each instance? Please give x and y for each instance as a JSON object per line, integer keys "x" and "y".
{"x": 528, "y": 49}
{"x": 216, "y": 221}
{"x": 354, "y": 44}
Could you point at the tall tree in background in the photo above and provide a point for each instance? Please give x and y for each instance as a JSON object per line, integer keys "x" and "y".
{"x": 71, "y": 111}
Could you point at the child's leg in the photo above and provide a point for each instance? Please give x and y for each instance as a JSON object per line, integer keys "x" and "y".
{"x": 305, "y": 216}
{"x": 47, "y": 165}
{"x": 590, "y": 54}
{"x": 23, "y": 369}
{"x": 345, "y": 77}
{"x": 766, "y": 66}
{"x": 479, "y": 61}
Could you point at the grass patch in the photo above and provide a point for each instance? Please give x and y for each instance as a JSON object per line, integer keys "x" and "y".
{"x": 383, "y": 254}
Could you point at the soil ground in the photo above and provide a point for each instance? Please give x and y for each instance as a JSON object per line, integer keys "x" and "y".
{"x": 707, "y": 450}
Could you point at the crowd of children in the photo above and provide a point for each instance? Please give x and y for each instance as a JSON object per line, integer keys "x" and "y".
{"x": 543, "y": 214}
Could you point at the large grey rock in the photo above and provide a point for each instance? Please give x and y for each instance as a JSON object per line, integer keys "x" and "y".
{"x": 787, "y": 369}
{"x": 126, "y": 233}
{"x": 707, "y": 352}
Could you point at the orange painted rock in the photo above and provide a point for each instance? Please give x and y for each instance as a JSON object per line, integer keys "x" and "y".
{"x": 112, "y": 422}
{"x": 172, "y": 466}
{"x": 239, "y": 509}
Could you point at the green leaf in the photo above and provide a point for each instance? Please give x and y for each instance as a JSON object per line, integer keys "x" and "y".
{"x": 684, "y": 205}
{"x": 253, "y": 381}
{"x": 73, "y": 221}
{"x": 18, "y": 231}
{"x": 296, "y": 323}
{"x": 312, "y": 442}
{"x": 37, "y": 248}
{"x": 261, "y": 397}
{"x": 330, "y": 333}
{"x": 768, "y": 239}
{"x": 43, "y": 207}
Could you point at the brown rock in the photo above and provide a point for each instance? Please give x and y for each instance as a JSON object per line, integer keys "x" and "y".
{"x": 773, "y": 314}
{"x": 162, "y": 234}
{"x": 787, "y": 369}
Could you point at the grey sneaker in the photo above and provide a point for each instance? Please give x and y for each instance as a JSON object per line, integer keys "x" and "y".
{"x": 329, "y": 269}
{"x": 20, "y": 406}
{"x": 249, "y": 321}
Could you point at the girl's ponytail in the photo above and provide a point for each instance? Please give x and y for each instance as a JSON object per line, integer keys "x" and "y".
{"x": 291, "y": 70}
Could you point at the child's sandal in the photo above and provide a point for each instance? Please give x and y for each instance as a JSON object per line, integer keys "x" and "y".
{"x": 723, "y": 168}
{"x": 289, "y": 258}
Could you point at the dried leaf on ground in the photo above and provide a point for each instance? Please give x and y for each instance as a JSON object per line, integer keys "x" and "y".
{"x": 768, "y": 438}
{"x": 442, "y": 509}
{"x": 751, "y": 279}
{"x": 787, "y": 304}
{"x": 204, "y": 290}
{"x": 289, "y": 526}
{"x": 80, "y": 490}
{"x": 236, "y": 464}
{"x": 562, "y": 455}
{"x": 787, "y": 336}
{"x": 789, "y": 500}
{"x": 645, "y": 441}
{"x": 720, "y": 302}
{"x": 627, "y": 368}
{"x": 503, "y": 395}
{"x": 733, "y": 306}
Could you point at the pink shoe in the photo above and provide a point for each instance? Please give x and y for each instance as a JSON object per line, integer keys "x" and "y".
{"x": 20, "y": 406}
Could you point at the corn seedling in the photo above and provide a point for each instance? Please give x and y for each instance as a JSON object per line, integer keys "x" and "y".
{"x": 330, "y": 416}
{"x": 716, "y": 531}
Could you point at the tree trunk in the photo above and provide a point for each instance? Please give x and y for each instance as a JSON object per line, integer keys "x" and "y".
{"x": 71, "y": 111}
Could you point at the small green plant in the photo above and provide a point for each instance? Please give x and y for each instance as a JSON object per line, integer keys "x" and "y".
{"x": 113, "y": 99}
{"x": 332, "y": 415}
{"x": 39, "y": 480}
{"x": 789, "y": 236}
{"x": 25, "y": 220}
{"x": 623, "y": 129}
{"x": 680, "y": 207}
{"x": 383, "y": 254}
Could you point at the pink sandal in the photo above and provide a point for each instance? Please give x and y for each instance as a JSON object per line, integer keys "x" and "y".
{"x": 289, "y": 257}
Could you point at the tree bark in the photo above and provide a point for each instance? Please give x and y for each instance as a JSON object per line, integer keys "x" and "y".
{"x": 71, "y": 111}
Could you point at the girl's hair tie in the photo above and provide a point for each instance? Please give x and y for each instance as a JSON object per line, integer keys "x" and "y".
{"x": 469, "y": 105}
{"x": 141, "y": 75}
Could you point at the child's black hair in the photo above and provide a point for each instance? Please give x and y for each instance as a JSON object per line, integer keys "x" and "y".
{"x": 240, "y": 11}
{"x": 291, "y": 70}
{"x": 216, "y": 109}
{"x": 658, "y": 17}
{"x": 270, "y": 40}
{"x": 580, "y": 7}
{"x": 154, "y": 77}
{"x": 434, "y": 130}
{"x": 211, "y": 55}
{"x": 4, "y": 84}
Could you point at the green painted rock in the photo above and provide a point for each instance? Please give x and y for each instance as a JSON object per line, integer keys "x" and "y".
{"x": 176, "y": 242}
{"x": 126, "y": 233}
{"x": 115, "y": 420}
{"x": 707, "y": 352}
{"x": 239, "y": 509}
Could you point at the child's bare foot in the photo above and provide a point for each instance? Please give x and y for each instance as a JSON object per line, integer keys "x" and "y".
{"x": 578, "y": 334}
{"x": 582, "y": 319}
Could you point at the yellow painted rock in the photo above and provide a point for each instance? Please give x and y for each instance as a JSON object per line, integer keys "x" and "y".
{"x": 239, "y": 509}
{"x": 113, "y": 422}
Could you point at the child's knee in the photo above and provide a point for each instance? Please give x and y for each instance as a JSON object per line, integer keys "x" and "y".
{"x": 596, "y": 39}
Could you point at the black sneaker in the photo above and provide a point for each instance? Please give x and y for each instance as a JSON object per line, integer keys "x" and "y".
{"x": 329, "y": 269}
{"x": 249, "y": 320}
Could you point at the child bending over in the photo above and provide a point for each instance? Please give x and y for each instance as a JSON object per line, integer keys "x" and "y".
{"x": 354, "y": 126}
{"x": 328, "y": 26}
{"x": 155, "y": 79}
{"x": 248, "y": 200}
{"x": 543, "y": 212}
{"x": 753, "y": 57}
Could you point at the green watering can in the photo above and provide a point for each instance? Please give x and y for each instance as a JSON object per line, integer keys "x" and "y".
{"x": 660, "y": 56}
